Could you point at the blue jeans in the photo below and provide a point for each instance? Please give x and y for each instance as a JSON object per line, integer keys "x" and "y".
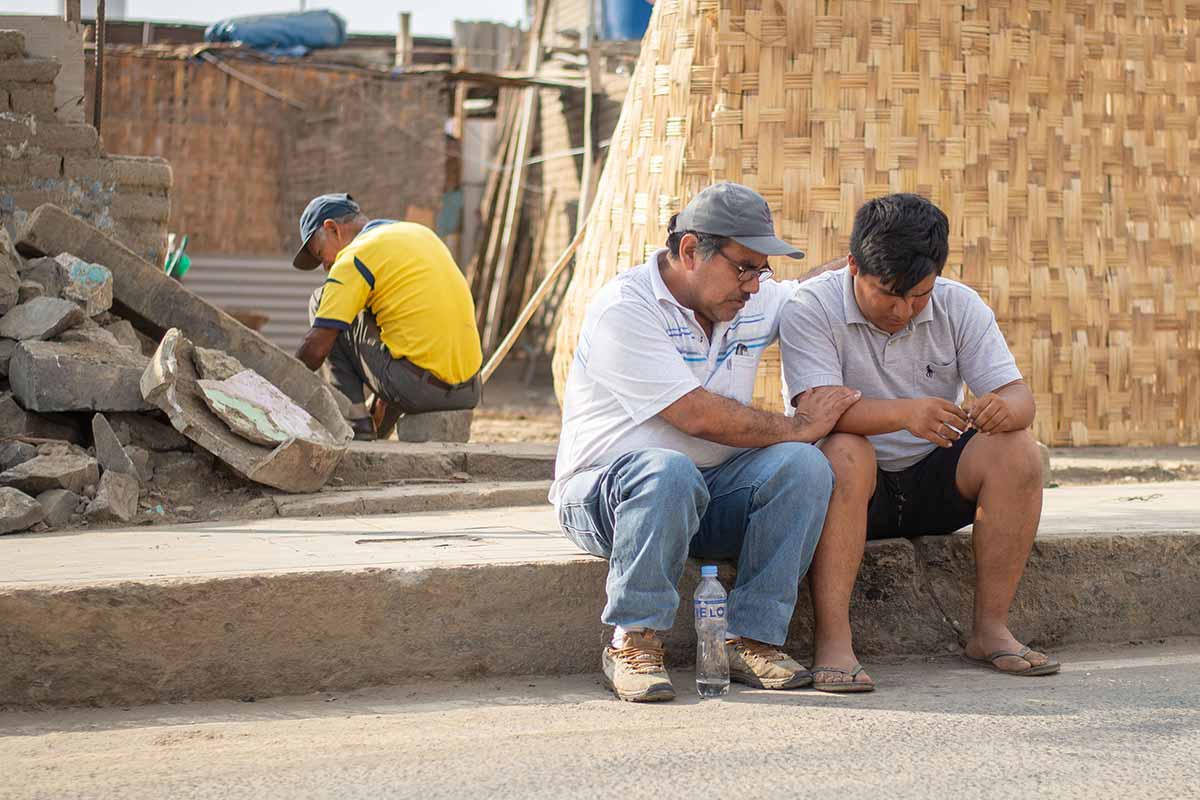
{"x": 648, "y": 510}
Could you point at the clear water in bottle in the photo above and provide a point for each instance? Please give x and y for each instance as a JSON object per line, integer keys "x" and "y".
{"x": 712, "y": 664}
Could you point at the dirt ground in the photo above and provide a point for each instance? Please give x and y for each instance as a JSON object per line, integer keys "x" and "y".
{"x": 513, "y": 411}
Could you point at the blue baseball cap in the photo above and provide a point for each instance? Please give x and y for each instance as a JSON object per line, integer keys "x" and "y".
{"x": 319, "y": 209}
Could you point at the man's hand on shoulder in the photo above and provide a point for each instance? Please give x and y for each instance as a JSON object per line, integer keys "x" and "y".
{"x": 819, "y": 409}
{"x": 934, "y": 420}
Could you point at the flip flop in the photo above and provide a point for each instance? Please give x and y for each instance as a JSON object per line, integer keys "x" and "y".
{"x": 842, "y": 687}
{"x": 1049, "y": 668}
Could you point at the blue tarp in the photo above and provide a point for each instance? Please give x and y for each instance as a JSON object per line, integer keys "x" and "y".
{"x": 282, "y": 34}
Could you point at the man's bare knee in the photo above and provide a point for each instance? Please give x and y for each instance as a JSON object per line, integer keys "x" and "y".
{"x": 1014, "y": 457}
{"x": 853, "y": 460}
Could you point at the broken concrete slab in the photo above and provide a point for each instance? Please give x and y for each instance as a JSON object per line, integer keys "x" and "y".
{"x": 116, "y": 499}
{"x": 213, "y": 365}
{"x": 109, "y": 452}
{"x": 88, "y": 285}
{"x": 10, "y": 276}
{"x": 7, "y": 347}
{"x": 435, "y": 426}
{"x": 52, "y": 471}
{"x": 59, "y": 505}
{"x": 13, "y": 453}
{"x": 170, "y": 382}
{"x": 40, "y": 318}
{"x": 142, "y": 430}
{"x": 16, "y": 421}
{"x": 18, "y": 511}
{"x": 154, "y": 302}
{"x": 77, "y": 376}
{"x": 256, "y": 410}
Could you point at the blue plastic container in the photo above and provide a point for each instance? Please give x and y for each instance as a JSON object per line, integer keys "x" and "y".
{"x": 626, "y": 19}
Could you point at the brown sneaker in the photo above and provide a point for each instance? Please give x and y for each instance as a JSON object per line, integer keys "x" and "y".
{"x": 764, "y": 666}
{"x": 635, "y": 672}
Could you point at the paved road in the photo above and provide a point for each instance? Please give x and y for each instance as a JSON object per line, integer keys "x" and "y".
{"x": 1118, "y": 723}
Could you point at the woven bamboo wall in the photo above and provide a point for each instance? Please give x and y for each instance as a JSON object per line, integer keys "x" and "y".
{"x": 1059, "y": 136}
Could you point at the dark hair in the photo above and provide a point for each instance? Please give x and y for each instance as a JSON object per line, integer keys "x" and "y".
{"x": 708, "y": 243}
{"x": 900, "y": 239}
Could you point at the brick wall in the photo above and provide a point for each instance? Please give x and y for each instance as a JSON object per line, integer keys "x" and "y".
{"x": 46, "y": 160}
{"x": 246, "y": 161}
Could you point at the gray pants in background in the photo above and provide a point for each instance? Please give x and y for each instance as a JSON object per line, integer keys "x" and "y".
{"x": 360, "y": 359}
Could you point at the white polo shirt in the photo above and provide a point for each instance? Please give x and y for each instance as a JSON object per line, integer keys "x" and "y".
{"x": 639, "y": 351}
{"x": 826, "y": 341}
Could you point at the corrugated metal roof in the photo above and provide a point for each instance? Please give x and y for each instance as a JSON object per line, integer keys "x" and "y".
{"x": 266, "y": 285}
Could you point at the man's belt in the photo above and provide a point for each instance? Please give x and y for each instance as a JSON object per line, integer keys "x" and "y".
{"x": 430, "y": 378}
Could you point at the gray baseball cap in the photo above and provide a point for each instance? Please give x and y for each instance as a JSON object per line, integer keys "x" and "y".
{"x": 319, "y": 209}
{"x": 739, "y": 213}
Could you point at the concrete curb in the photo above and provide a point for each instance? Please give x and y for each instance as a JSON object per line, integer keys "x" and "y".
{"x": 411, "y": 498}
{"x": 270, "y": 634}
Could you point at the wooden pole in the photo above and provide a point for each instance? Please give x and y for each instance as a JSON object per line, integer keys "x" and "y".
{"x": 71, "y": 12}
{"x": 589, "y": 146}
{"x": 516, "y": 193}
{"x": 404, "y": 43}
{"x": 532, "y": 306}
{"x": 98, "y": 99}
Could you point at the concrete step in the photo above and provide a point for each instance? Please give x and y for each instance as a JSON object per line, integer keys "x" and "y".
{"x": 376, "y": 463}
{"x": 411, "y": 498}
{"x": 290, "y": 606}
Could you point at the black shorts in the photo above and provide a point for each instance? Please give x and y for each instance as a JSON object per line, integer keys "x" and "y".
{"x": 922, "y": 500}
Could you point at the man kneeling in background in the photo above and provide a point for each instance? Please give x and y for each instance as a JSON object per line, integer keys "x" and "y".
{"x": 395, "y": 314}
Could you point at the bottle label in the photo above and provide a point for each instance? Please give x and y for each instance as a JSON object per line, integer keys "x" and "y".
{"x": 710, "y": 609}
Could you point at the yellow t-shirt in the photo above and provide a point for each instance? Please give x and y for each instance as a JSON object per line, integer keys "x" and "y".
{"x": 405, "y": 274}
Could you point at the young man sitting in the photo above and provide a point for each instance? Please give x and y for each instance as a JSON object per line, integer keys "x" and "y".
{"x": 909, "y": 460}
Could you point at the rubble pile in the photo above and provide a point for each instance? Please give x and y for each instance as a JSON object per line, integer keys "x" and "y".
{"x": 104, "y": 421}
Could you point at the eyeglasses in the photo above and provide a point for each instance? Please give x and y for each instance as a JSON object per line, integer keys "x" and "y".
{"x": 746, "y": 271}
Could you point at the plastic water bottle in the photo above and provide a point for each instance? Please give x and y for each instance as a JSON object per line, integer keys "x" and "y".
{"x": 712, "y": 664}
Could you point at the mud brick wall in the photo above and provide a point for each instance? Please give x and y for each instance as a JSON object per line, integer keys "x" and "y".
{"x": 247, "y": 161}
{"x": 46, "y": 160}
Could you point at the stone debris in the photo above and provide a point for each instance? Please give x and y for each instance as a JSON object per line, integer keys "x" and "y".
{"x": 76, "y": 308}
{"x": 213, "y": 365}
{"x": 90, "y": 333}
{"x": 60, "y": 505}
{"x": 170, "y": 382}
{"x": 88, "y": 285}
{"x": 123, "y": 331}
{"x": 40, "y": 318}
{"x": 61, "y": 470}
{"x": 143, "y": 430}
{"x": 76, "y": 376}
{"x": 141, "y": 462}
{"x": 16, "y": 421}
{"x": 45, "y": 273}
{"x": 256, "y": 410}
{"x": 109, "y": 452}
{"x": 154, "y": 303}
{"x": 10, "y": 275}
{"x": 13, "y": 453}
{"x": 18, "y": 511}
{"x": 28, "y": 290}
{"x": 116, "y": 499}
{"x": 7, "y": 347}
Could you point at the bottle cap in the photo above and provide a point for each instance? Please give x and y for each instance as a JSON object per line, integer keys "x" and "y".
{"x": 708, "y": 571}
